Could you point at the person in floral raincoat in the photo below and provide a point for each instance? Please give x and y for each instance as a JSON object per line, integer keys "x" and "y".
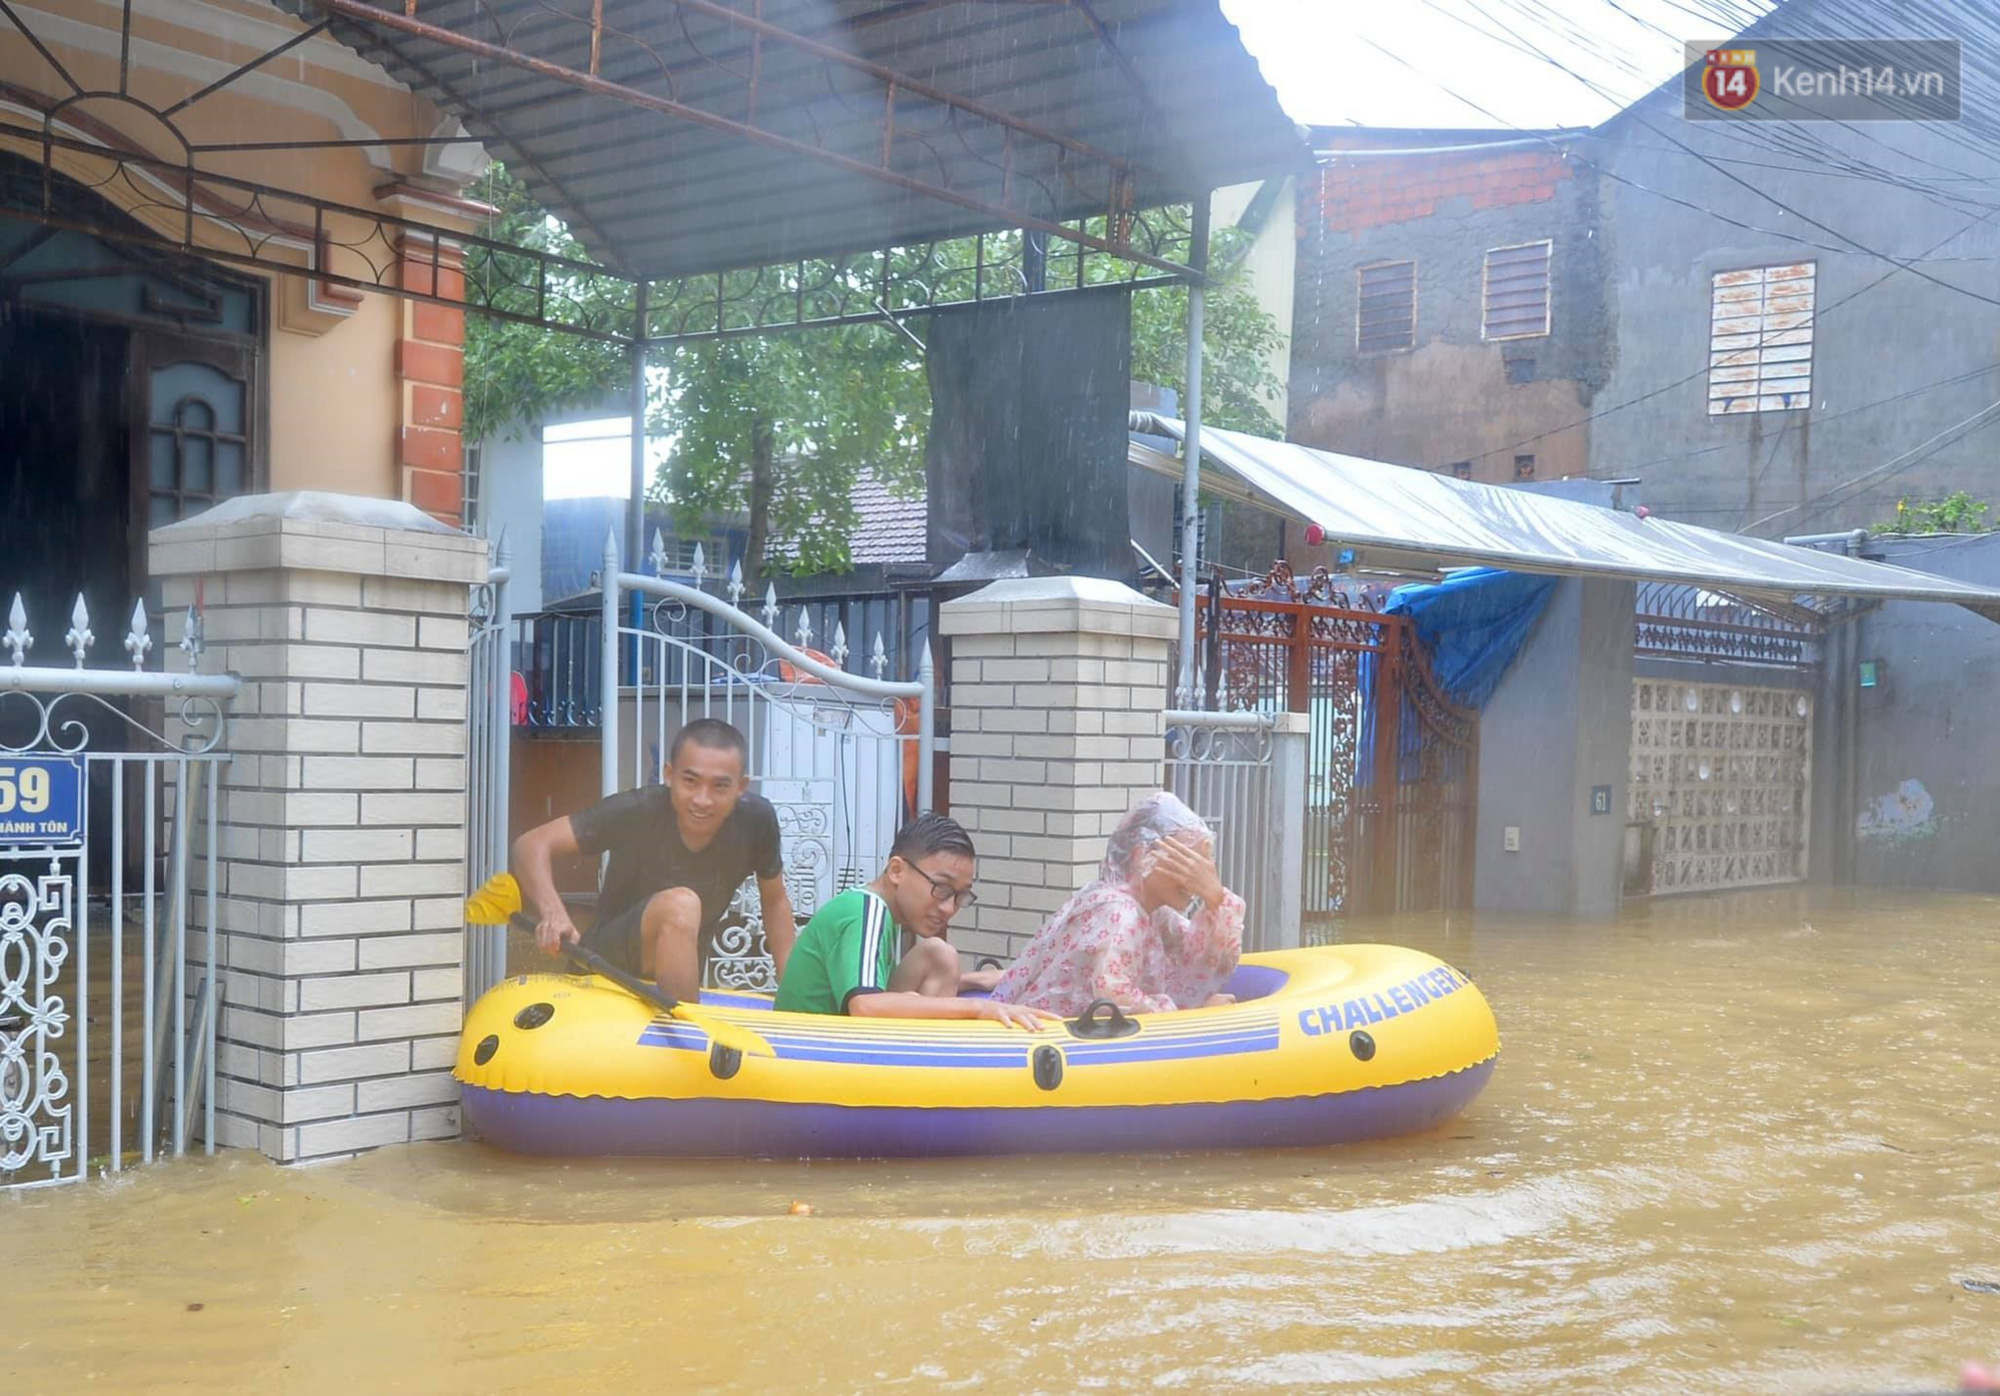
{"x": 1156, "y": 931}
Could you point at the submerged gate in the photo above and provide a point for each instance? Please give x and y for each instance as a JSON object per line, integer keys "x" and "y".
{"x": 1392, "y": 764}
{"x": 108, "y": 997}
{"x": 1722, "y": 741}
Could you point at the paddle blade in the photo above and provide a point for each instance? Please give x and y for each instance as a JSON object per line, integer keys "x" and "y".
{"x": 494, "y": 902}
{"x": 725, "y": 1034}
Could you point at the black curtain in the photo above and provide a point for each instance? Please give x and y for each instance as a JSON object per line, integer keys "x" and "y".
{"x": 1029, "y": 399}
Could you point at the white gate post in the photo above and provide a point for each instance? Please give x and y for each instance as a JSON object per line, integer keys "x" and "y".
{"x": 1058, "y": 716}
{"x": 610, "y": 597}
{"x": 343, "y": 815}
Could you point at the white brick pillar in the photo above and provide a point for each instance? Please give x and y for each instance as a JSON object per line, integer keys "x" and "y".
{"x": 341, "y": 843}
{"x": 1058, "y": 693}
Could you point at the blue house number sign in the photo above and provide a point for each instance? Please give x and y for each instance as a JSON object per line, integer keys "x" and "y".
{"x": 41, "y": 801}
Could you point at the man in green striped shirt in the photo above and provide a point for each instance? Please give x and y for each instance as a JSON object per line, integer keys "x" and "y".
{"x": 847, "y": 958}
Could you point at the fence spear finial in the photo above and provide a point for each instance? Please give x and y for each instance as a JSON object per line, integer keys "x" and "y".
{"x": 79, "y": 638}
{"x": 139, "y": 639}
{"x": 18, "y": 640}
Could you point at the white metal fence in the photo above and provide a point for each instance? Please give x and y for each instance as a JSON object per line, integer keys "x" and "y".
{"x": 1244, "y": 774}
{"x": 843, "y": 758}
{"x": 108, "y": 780}
{"x": 489, "y": 752}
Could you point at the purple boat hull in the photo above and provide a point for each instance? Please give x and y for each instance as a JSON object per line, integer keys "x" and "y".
{"x": 715, "y": 1128}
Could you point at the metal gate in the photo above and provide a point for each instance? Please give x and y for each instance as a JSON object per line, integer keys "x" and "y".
{"x": 1722, "y": 736}
{"x": 107, "y": 873}
{"x": 1392, "y": 762}
{"x": 843, "y": 758}
{"x": 489, "y": 759}
{"x": 1721, "y": 783}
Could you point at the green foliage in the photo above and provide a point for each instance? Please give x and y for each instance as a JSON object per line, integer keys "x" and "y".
{"x": 779, "y": 426}
{"x": 1237, "y": 338}
{"x": 814, "y": 409}
{"x": 516, "y": 373}
{"x": 1955, "y": 513}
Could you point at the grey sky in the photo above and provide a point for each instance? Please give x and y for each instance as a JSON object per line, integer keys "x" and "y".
{"x": 1336, "y": 62}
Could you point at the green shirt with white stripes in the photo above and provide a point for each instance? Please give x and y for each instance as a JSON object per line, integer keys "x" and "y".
{"x": 849, "y": 947}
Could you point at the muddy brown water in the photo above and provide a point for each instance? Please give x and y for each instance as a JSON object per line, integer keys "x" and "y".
{"x": 1747, "y": 1143}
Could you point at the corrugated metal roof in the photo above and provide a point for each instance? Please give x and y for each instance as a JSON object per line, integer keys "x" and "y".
{"x": 1163, "y": 84}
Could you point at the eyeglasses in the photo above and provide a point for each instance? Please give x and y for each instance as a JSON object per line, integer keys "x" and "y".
{"x": 943, "y": 891}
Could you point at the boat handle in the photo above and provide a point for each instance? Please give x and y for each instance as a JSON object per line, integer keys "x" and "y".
{"x": 1102, "y": 1019}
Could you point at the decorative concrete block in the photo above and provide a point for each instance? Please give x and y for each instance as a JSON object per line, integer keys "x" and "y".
{"x": 352, "y": 1135}
{"x": 439, "y": 1122}
{"x": 355, "y": 991}
{"x": 352, "y": 1063}
{"x": 406, "y": 1092}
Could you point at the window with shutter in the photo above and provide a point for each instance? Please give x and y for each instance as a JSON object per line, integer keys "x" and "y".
{"x": 1386, "y": 307}
{"x": 1514, "y": 291}
{"x": 1760, "y": 334}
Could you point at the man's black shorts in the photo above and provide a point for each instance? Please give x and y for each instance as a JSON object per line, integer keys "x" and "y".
{"x": 617, "y": 940}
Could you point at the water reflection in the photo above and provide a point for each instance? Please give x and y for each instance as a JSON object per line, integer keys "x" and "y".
{"x": 1738, "y": 1144}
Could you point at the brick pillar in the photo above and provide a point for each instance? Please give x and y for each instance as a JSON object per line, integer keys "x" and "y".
{"x": 430, "y": 367}
{"x": 1058, "y": 690}
{"x": 341, "y": 846}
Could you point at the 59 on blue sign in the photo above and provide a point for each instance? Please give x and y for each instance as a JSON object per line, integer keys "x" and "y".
{"x": 41, "y": 801}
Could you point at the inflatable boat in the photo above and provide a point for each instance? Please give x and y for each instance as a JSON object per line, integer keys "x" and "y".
{"x": 1323, "y": 1046}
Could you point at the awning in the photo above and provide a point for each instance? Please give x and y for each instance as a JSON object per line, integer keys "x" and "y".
{"x": 1397, "y": 516}
{"x": 686, "y": 136}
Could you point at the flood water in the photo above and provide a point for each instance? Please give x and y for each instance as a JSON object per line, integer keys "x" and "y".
{"x": 1748, "y": 1143}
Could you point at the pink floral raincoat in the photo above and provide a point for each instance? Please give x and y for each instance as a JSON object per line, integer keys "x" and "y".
{"x": 1103, "y": 944}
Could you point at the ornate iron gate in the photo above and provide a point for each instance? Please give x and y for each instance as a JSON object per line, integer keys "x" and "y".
{"x": 83, "y": 763}
{"x": 843, "y": 758}
{"x": 1392, "y": 761}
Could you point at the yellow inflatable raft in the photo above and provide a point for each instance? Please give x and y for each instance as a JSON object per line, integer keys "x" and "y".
{"x": 1324, "y": 1046}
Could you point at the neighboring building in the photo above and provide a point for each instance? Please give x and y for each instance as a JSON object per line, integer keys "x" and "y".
{"x": 1447, "y": 303}
{"x": 1717, "y": 310}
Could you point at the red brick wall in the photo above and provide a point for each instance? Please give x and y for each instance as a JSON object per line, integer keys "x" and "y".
{"x": 430, "y": 365}
{"x": 1380, "y": 190}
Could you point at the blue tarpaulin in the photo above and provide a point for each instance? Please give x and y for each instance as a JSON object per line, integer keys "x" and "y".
{"x": 1472, "y": 624}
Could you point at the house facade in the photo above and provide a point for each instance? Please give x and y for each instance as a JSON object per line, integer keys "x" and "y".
{"x": 146, "y": 382}
{"x": 1777, "y": 327}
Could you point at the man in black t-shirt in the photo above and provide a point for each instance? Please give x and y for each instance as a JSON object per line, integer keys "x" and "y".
{"x": 678, "y": 852}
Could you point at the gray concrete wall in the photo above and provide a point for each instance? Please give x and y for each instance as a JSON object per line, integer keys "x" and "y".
{"x": 1452, "y": 396}
{"x": 1560, "y": 722}
{"x": 1928, "y": 746}
{"x": 1886, "y": 347}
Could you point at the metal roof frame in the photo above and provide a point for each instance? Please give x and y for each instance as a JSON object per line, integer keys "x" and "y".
{"x": 1055, "y": 212}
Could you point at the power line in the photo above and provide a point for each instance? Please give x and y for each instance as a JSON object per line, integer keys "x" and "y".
{"x": 1895, "y": 464}
{"x": 1955, "y": 378}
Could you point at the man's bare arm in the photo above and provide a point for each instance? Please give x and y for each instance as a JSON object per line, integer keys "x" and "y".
{"x": 533, "y": 862}
{"x": 780, "y": 926}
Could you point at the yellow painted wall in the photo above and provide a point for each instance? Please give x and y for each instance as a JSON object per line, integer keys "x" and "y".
{"x": 335, "y": 405}
{"x": 335, "y": 401}
{"x": 1271, "y": 264}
